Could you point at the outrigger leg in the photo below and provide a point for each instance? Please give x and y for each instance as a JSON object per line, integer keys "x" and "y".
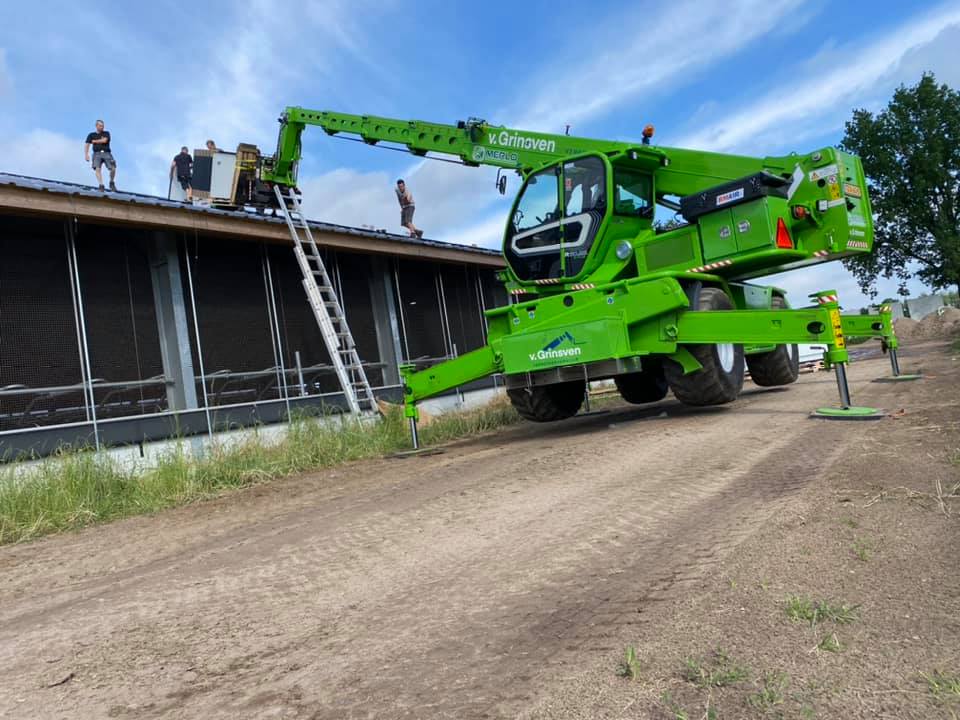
{"x": 836, "y": 355}
{"x": 414, "y": 436}
{"x": 891, "y": 344}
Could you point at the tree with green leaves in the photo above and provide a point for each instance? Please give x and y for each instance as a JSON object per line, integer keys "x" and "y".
{"x": 911, "y": 156}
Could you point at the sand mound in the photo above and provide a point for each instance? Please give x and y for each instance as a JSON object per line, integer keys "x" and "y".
{"x": 935, "y": 326}
{"x": 906, "y": 328}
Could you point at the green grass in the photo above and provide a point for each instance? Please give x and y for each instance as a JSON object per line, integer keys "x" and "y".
{"x": 677, "y": 712}
{"x": 803, "y": 609}
{"x": 629, "y": 667}
{"x": 715, "y": 670}
{"x": 943, "y": 687}
{"x": 771, "y": 693}
{"x": 862, "y": 549}
{"x": 675, "y": 709}
{"x": 830, "y": 643}
{"x": 78, "y": 488}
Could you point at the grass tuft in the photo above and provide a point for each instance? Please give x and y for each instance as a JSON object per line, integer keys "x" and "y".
{"x": 803, "y": 609}
{"x": 675, "y": 709}
{"x": 943, "y": 687}
{"x": 771, "y": 693}
{"x": 862, "y": 549}
{"x": 830, "y": 643}
{"x": 76, "y": 488}
{"x": 629, "y": 667}
{"x": 716, "y": 670}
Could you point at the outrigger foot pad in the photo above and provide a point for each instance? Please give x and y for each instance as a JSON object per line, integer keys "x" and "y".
{"x": 404, "y": 454}
{"x": 898, "y": 378}
{"x": 848, "y": 413}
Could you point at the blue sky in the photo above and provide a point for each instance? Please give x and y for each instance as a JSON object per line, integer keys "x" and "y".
{"x": 753, "y": 77}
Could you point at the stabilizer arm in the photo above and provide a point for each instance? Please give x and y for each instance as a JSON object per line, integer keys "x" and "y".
{"x": 447, "y": 375}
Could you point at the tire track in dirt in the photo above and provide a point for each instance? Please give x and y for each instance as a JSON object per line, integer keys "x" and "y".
{"x": 455, "y": 588}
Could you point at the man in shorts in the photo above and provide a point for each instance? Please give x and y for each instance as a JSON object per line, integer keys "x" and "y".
{"x": 99, "y": 141}
{"x": 183, "y": 164}
{"x": 405, "y": 197}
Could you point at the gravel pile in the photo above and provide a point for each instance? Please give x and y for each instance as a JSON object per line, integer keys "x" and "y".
{"x": 942, "y": 326}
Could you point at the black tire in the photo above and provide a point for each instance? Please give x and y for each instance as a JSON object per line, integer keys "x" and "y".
{"x": 777, "y": 367}
{"x": 713, "y": 384}
{"x": 647, "y": 386}
{"x": 548, "y": 403}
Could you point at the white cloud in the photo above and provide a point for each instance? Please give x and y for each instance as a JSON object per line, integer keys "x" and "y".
{"x": 819, "y": 100}
{"x": 347, "y": 197}
{"x": 449, "y": 199}
{"x": 240, "y": 78}
{"x": 46, "y": 154}
{"x": 655, "y": 49}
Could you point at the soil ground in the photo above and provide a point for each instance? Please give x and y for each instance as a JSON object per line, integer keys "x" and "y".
{"x": 507, "y": 576}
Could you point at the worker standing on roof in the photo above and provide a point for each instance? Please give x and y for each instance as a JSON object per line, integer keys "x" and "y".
{"x": 183, "y": 164}
{"x": 406, "y": 209}
{"x": 100, "y": 142}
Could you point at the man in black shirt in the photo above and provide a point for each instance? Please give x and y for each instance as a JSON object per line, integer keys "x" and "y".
{"x": 100, "y": 142}
{"x": 183, "y": 164}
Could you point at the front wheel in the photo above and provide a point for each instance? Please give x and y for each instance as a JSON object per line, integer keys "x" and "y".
{"x": 646, "y": 386}
{"x": 548, "y": 403}
{"x": 720, "y": 379}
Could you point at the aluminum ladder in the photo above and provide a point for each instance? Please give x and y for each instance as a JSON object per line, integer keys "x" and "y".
{"x": 327, "y": 309}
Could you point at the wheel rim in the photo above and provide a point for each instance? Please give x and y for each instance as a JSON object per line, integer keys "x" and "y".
{"x": 725, "y": 355}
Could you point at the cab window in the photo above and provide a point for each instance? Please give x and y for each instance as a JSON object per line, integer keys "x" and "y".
{"x": 633, "y": 193}
{"x": 538, "y": 205}
{"x": 584, "y": 186}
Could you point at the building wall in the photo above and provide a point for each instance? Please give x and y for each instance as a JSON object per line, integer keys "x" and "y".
{"x": 239, "y": 311}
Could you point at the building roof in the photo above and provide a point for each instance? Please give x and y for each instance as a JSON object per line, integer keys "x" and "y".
{"x": 24, "y": 195}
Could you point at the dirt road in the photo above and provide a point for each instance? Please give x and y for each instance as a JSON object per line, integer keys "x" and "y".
{"x": 503, "y": 577}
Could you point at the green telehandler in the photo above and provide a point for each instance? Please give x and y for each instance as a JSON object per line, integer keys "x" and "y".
{"x": 600, "y": 291}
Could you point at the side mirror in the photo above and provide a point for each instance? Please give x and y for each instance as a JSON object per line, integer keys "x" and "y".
{"x": 501, "y": 183}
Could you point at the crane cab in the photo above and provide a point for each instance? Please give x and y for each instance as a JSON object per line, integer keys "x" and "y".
{"x": 560, "y": 223}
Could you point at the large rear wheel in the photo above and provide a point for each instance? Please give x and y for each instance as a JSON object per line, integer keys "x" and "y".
{"x": 548, "y": 403}
{"x": 777, "y": 367}
{"x": 720, "y": 379}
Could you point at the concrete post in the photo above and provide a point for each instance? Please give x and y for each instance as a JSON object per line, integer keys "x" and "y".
{"x": 172, "y": 321}
{"x": 385, "y": 319}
